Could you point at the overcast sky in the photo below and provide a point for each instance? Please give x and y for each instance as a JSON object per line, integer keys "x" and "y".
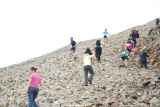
{"x": 31, "y": 28}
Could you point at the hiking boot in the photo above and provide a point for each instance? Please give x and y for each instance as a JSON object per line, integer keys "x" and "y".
{"x": 85, "y": 84}
{"x": 121, "y": 66}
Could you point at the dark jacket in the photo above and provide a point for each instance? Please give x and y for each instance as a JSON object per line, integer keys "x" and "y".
{"x": 98, "y": 50}
{"x": 143, "y": 56}
{"x": 134, "y": 35}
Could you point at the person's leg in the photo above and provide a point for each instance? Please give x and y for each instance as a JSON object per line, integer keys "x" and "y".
{"x": 35, "y": 94}
{"x": 30, "y": 97}
{"x": 135, "y": 42}
{"x": 85, "y": 75}
{"x": 141, "y": 63}
{"x": 74, "y": 49}
{"x": 122, "y": 62}
{"x": 91, "y": 74}
{"x": 99, "y": 58}
{"x": 125, "y": 62}
{"x": 145, "y": 64}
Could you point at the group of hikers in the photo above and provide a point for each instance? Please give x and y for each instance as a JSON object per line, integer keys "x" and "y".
{"x": 130, "y": 46}
{"x": 89, "y": 55}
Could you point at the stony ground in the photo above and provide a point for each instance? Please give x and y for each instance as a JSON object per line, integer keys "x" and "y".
{"x": 63, "y": 79}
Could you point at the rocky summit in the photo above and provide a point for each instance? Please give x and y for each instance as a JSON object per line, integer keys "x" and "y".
{"x": 113, "y": 86}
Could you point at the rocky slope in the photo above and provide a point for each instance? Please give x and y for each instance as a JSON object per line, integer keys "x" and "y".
{"x": 63, "y": 79}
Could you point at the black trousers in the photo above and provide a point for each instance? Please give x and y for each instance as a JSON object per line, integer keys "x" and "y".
{"x": 144, "y": 63}
{"x": 98, "y": 58}
{"x": 88, "y": 70}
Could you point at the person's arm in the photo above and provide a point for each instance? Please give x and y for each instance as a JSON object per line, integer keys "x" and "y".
{"x": 93, "y": 58}
{"x": 41, "y": 81}
{"x": 29, "y": 81}
{"x": 29, "y": 76}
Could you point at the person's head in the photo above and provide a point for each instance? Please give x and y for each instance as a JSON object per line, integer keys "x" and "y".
{"x": 98, "y": 43}
{"x": 33, "y": 69}
{"x": 144, "y": 50}
{"x": 129, "y": 39}
{"x": 88, "y": 51}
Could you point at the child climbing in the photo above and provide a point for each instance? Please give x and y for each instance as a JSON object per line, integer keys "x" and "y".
{"x": 33, "y": 88}
{"x": 124, "y": 54}
{"x": 98, "y": 50}
{"x": 130, "y": 45}
{"x": 73, "y": 45}
{"x": 88, "y": 69}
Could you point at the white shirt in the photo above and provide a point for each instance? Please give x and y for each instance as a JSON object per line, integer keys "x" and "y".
{"x": 87, "y": 59}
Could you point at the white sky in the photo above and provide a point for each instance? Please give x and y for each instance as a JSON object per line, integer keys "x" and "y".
{"x": 31, "y": 28}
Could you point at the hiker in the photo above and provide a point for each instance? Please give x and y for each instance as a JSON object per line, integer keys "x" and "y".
{"x": 105, "y": 33}
{"x": 143, "y": 58}
{"x": 33, "y": 88}
{"x": 73, "y": 45}
{"x": 134, "y": 36}
{"x": 124, "y": 54}
{"x": 130, "y": 45}
{"x": 98, "y": 50}
{"x": 105, "y": 38}
{"x": 87, "y": 63}
{"x": 157, "y": 22}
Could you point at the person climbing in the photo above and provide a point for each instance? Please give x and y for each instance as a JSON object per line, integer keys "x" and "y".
{"x": 130, "y": 45}
{"x": 134, "y": 36}
{"x": 88, "y": 69}
{"x": 33, "y": 88}
{"x": 73, "y": 45}
{"x": 105, "y": 33}
{"x": 143, "y": 58}
{"x": 124, "y": 54}
{"x": 157, "y": 21}
{"x": 105, "y": 38}
{"x": 98, "y": 50}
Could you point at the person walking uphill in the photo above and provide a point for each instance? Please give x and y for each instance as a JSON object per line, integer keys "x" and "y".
{"x": 157, "y": 22}
{"x": 33, "y": 89}
{"x": 143, "y": 58}
{"x": 98, "y": 50}
{"x": 124, "y": 56}
{"x": 134, "y": 36}
{"x": 87, "y": 63}
{"x": 105, "y": 33}
{"x": 73, "y": 45}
